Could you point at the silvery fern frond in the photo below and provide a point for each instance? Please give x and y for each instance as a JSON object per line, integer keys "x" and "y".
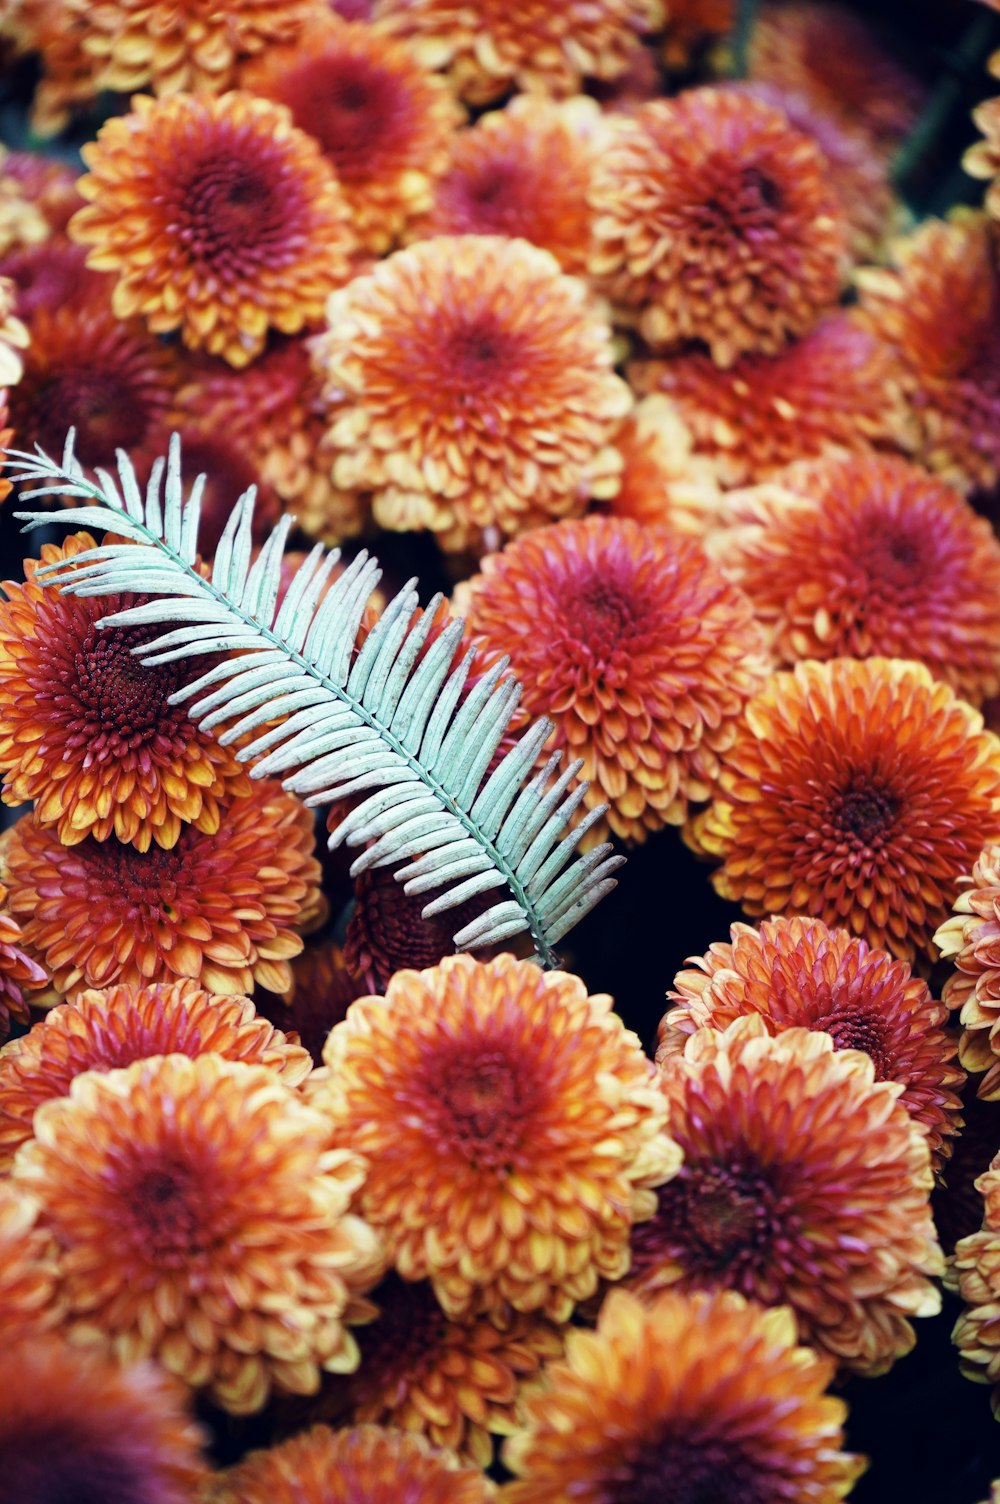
{"x": 387, "y": 724}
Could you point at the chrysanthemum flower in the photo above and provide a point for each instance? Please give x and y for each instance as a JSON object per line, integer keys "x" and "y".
{"x": 107, "y": 378}
{"x": 805, "y": 1181}
{"x": 939, "y": 311}
{"x": 22, "y": 222}
{"x": 837, "y": 387}
{"x": 713, "y": 219}
{"x": 471, "y": 386}
{"x": 338, "y": 1467}
{"x": 273, "y": 415}
{"x": 662, "y": 481}
{"x": 858, "y": 792}
{"x": 78, "y": 1425}
{"x": 387, "y": 932}
{"x": 982, "y": 160}
{"x": 869, "y": 556}
{"x": 381, "y": 118}
{"x": 13, "y": 338}
{"x": 638, "y": 650}
{"x": 202, "y": 1221}
{"x": 50, "y": 275}
{"x": 523, "y": 171}
{"x": 48, "y": 182}
{"x": 321, "y": 991}
{"x": 28, "y": 1271}
{"x": 512, "y": 1127}
{"x": 974, "y": 1273}
{"x": 799, "y": 973}
{"x": 18, "y": 972}
{"x": 170, "y": 47}
{"x": 67, "y": 72}
{"x": 88, "y": 732}
{"x": 703, "y": 1396}
{"x": 495, "y": 46}
{"x": 970, "y": 940}
{"x": 218, "y": 216}
{"x": 222, "y": 909}
{"x": 457, "y": 1383}
{"x": 105, "y": 1030}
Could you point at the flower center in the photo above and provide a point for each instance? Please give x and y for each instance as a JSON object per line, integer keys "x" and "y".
{"x": 164, "y": 1201}
{"x": 353, "y": 109}
{"x": 601, "y": 616}
{"x": 231, "y": 217}
{"x": 482, "y": 1106}
{"x": 852, "y": 1029}
{"x": 722, "y": 1220}
{"x": 143, "y": 888}
{"x": 102, "y": 404}
{"x": 475, "y": 351}
{"x": 490, "y": 201}
{"x": 123, "y": 701}
{"x": 690, "y": 1469}
{"x": 864, "y": 815}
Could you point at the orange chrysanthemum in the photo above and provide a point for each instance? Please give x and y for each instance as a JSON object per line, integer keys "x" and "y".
{"x": 471, "y": 386}
{"x": 939, "y": 311}
{"x": 202, "y": 1221}
{"x": 273, "y": 415}
{"x": 858, "y": 792}
{"x": 713, "y": 219}
{"x": 970, "y": 940}
{"x": 110, "y": 380}
{"x": 223, "y": 909}
{"x": 805, "y": 1181}
{"x": 836, "y": 388}
{"x": 799, "y": 973}
{"x": 982, "y": 160}
{"x": 100, "y": 1031}
{"x": 704, "y": 1396}
{"x": 512, "y": 1128}
{"x": 28, "y": 1271}
{"x": 523, "y": 171}
{"x": 457, "y": 1383}
{"x": 67, "y": 76}
{"x": 77, "y": 1425}
{"x": 218, "y": 216}
{"x": 338, "y": 1467}
{"x": 870, "y": 556}
{"x": 382, "y": 119}
{"x": 827, "y": 53}
{"x": 88, "y": 731}
{"x": 22, "y": 222}
{"x": 662, "y": 481}
{"x": 494, "y": 46}
{"x": 635, "y": 646}
{"x": 18, "y": 972}
{"x": 169, "y": 47}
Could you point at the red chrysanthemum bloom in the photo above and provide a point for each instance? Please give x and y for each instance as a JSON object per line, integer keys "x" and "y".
{"x": 87, "y": 729}
{"x": 827, "y": 53}
{"x": 457, "y": 1383}
{"x": 223, "y": 909}
{"x": 338, "y": 1467}
{"x": 858, "y": 792}
{"x": 704, "y": 1396}
{"x": 799, "y": 973}
{"x": 636, "y": 647}
{"x": 18, "y": 973}
{"x": 202, "y": 1220}
{"x": 170, "y": 47}
{"x": 218, "y": 216}
{"x": 805, "y": 1181}
{"x": 387, "y": 932}
{"x": 51, "y": 275}
{"x": 857, "y": 170}
{"x": 868, "y": 556}
{"x": 713, "y": 219}
{"x": 471, "y": 386}
{"x": 512, "y": 1128}
{"x": 109, "y": 379}
{"x": 382, "y": 119}
{"x": 101, "y": 1031}
{"x": 982, "y": 160}
{"x": 523, "y": 171}
{"x": 78, "y": 1425}
{"x": 662, "y": 482}
{"x": 273, "y": 415}
{"x": 939, "y": 311}
{"x": 970, "y": 940}
{"x": 28, "y": 1271}
{"x": 837, "y": 387}
{"x": 494, "y": 46}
